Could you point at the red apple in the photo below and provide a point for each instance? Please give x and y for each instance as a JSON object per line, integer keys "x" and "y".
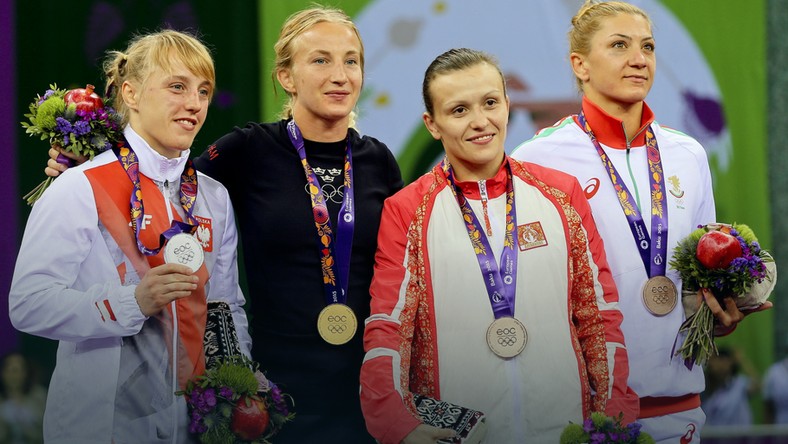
{"x": 250, "y": 418}
{"x": 716, "y": 249}
{"x": 85, "y": 99}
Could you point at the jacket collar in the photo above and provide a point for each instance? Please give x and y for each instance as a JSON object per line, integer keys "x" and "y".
{"x": 610, "y": 130}
{"x": 152, "y": 164}
{"x": 496, "y": 185}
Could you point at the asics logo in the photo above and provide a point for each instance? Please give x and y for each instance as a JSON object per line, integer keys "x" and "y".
{"x": 592, "y": 186}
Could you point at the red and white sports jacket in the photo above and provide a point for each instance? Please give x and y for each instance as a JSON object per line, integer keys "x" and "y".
{"x": 430, "y": 311}
{"x": 117, "y": 371}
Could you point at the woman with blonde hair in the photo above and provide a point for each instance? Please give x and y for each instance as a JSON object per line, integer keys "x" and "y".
{"x": 308, "y": 191}
{"x": 130, "y": 323}
{"x": 625, "y": 160}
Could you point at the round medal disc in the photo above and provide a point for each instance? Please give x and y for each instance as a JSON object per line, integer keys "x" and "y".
{"x": 184, "y": 249}
{"x": 506, "y": 337}
{"x": 336, "y": 324}
{"x": 660, "y": 295}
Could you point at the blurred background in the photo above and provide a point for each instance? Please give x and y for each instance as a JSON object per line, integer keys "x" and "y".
{"x": 713, "y": 82}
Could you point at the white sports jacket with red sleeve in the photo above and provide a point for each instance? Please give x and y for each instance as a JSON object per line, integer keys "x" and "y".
{"x": 430, "y": 311}
{"x": 654, "y": 370}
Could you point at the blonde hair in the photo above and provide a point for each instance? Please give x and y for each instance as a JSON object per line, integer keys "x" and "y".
{"x": 588, "y": 20}
{"x": 147, "y": 52}
{"x": 452, "y": 60}
{"x": 297, "y": 24}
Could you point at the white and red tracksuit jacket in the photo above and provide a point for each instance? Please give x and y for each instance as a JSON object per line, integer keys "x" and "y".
{"x": 430, "y": 312}
{"x": 654, "y": 371}
{"x": 117, "y": 371}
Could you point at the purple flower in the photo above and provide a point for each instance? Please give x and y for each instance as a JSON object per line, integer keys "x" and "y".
{"x": 598, "y": 438}
{"x": 210, "y": 397}
{"x": 279, "y": 400}
{"x": 64, "y": 126}
{"x": 226, "y": 392}
{"x": 588, "y": 425}
{"x": 196, "y": 426}
{"x": 81, "y": 128}
{"x": 47, "y": 95}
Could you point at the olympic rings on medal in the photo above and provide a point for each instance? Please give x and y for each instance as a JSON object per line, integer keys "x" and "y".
{"x": 507, "y": 341}
{"x": 337, "y": 328}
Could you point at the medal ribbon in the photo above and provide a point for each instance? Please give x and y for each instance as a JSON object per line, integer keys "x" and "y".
{"x": 652, "y": 253}
{"x": 336, "y": 273}
{"x": 501, "y": 282}
{"x": 188, "y": 195}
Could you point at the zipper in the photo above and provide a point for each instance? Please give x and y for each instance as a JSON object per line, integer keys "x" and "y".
{"x": 629, "y": 166}
{"x": 166, "y": 194}
{"x": 484, "y": 197}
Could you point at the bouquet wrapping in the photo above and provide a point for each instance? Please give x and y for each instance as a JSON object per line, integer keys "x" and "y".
{"x": 603, "y": 429}
{"x": 728, "y": 261}
{"x": 76, "y": 120}
{"x": 234, "y": 403}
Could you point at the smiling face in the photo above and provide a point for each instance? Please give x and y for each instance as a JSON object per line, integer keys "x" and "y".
{"x": 470, "y": 114}
{"x": 618, "y": 70}
{"x": 169, "y": 108}
{"x": 325, "y": 76}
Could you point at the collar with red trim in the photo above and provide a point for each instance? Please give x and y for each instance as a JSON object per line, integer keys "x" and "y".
{"x": 496, "y": 185}
{"x": 610, "y": 130}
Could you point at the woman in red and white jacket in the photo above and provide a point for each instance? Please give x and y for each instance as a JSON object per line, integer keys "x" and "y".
{"x": 491, "y": 288}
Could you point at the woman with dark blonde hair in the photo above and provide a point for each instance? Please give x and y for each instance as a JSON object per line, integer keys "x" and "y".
{"x": 644, "y": 179}
{"x": 491, "y": 288}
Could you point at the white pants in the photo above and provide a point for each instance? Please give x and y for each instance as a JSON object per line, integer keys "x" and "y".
{"x": 675, "y": 428}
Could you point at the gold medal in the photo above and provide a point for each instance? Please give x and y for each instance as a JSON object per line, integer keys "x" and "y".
{"x": 660, "y": 295}
{"x": 506, "y": 337}
{"x": 336, "y": 324}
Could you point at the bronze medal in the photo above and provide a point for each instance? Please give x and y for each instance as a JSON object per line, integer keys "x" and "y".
{"x": 336, "y": 324}
{"x": 660, "y": 295}
{"x": 506, "y": 337}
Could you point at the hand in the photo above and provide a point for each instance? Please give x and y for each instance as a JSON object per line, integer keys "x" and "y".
{"x": 730, "y": 316}
{"x": 54, "y": 166}
{"x": 427, "y": 434}
{"x": 162, "y": 285}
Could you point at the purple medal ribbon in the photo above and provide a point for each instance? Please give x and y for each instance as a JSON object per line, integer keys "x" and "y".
{"x": 653, "y": 254}
{"x": 188, "y": 195}
{"x": 339, "y": 269}
{"x": 501, "y": 282}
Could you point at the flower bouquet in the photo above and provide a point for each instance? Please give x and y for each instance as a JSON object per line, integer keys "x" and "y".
{"x": 76, "y": 120}
{"x": 234, "y": 403}
{"x": 602, "y": 429}
{"x": 728, "y": 261}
